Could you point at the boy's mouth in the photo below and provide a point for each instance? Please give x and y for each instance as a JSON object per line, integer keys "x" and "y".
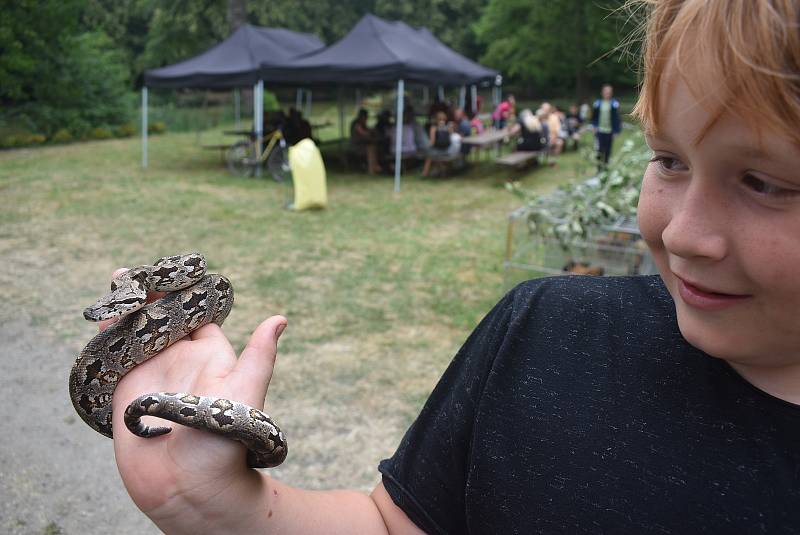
{"x": 706, "y": 298}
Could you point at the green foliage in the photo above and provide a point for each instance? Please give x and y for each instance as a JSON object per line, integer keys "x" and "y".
{"x": 100, "y": 132}
{"x": 62, "y": 135}
{"x": 556, "y": 46}
{"x": 86, "y": 86}
{"x": 156, "y": 127}
{"x": 578, "y": 207}
{"x": 271, "y": 101}
{"x": 125, "y": 130}
{"x": 180, "y": 29}
{"x": 33, "y": 36}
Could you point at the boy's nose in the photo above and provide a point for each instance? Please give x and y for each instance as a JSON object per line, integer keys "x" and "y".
{"x": 696, "y": 228}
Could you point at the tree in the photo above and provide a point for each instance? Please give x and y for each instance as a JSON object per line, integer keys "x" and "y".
{"x": 237, "y": 14}
{"x": 33, "y": 36}
{"x": 555, "y": 46}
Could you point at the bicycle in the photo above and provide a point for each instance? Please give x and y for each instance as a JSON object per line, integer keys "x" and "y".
{"x": 245, "y": 157}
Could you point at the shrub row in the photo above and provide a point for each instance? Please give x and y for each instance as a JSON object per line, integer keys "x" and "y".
{"x": 63, "y": 135}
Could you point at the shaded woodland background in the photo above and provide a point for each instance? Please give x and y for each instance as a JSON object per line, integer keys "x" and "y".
{"x": 70, "y": 66}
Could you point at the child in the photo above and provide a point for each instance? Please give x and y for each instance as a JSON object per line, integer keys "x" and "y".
{"x": 580, "y": 404}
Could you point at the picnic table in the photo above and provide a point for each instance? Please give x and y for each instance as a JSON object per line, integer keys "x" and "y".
{"x": 487, "y": 139}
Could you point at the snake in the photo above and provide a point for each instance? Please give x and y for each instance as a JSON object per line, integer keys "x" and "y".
{"x": 194, "y": 298}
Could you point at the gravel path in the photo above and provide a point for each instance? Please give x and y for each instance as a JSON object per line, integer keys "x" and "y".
{"x": 57, "y": 476}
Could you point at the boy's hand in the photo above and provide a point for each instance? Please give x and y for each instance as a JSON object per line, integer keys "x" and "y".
{"x": 184, "y": 473}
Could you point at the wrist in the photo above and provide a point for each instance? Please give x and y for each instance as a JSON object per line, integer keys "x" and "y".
{"x": 242, "y": 507}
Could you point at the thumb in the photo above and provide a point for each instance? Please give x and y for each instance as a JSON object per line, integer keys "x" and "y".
{"x": 253, "y": 371}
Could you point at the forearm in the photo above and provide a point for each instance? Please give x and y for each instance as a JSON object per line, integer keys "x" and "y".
{"x": 265, "y": 505}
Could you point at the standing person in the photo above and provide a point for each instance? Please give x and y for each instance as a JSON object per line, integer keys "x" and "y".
{"x": 606, "y": 123}
{"x": 644, "y": 404}
{"x": 503, "y": 112}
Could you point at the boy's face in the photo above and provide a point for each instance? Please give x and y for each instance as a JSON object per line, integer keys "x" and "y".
{"x": 722, "y": 218}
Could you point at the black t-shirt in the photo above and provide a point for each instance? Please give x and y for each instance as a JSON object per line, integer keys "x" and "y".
{"x": 576, "y": 406}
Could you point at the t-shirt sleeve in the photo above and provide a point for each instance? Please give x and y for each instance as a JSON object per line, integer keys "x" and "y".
{"x": 426, "y": 476}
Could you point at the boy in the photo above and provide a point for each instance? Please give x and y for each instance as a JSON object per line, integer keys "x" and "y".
{"x": 614, "y": 405}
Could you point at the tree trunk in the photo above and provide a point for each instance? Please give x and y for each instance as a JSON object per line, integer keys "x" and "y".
{"x": 237, "y": 14}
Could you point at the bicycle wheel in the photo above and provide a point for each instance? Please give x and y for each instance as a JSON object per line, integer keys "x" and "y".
{"x": 278, "y": 162}
{"x": 240, "y": 158}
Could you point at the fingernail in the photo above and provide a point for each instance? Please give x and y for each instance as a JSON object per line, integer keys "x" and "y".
{"x": 279, "y": 330}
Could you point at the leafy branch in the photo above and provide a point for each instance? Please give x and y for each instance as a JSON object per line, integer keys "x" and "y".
{"x": 576, "y": 208}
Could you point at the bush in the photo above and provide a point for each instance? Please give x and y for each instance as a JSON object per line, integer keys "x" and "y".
{"x": 100, "y": 133}
{"x": 271, "y": 101}
{"x": 90, "y": 91}
{"x": 62, "y": 135}
{"x": 574, "y": 208}
{"x": 125, "y": 130}
{"x": 24, "y": 139}
{"x": 156, "y": 127}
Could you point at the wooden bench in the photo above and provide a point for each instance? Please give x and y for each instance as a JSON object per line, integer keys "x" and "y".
{"x": 518, "y": 158}
{"x": 223, "y": 149}
{"x": 444, "y": 164}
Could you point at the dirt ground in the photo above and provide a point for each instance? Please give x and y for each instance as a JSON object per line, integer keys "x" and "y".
{"x": 57, "y": 476}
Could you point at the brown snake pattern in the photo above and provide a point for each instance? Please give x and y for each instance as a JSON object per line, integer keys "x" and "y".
{"x": 195, "y": 299}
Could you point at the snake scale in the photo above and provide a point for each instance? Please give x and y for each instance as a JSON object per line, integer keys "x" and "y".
{"x": 194, "y": 299}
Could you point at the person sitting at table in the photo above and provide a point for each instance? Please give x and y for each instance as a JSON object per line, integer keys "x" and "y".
{"x": 364, "y": 142}
{"x": 531, "y": 137}
{"x": 462, "y": 127}
{"x": 443, "y": 140}
{"x": 549, "y": 116}
{"x": 382, "y": 128}
{"x": 411, "y": 143}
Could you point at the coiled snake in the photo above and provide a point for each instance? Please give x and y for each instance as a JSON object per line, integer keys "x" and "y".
{"x": 196, "y": 299}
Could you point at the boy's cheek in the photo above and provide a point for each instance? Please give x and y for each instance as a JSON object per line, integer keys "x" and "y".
{"x": 652, "y": 212}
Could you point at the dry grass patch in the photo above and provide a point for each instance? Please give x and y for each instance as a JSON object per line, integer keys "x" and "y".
{"x": 379, "y": 289}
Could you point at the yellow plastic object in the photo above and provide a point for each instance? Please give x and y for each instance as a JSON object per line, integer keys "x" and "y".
{"x": 308, "y": 174}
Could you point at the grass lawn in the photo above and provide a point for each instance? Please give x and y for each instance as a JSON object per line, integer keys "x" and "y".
{"x": 380, "y": 289}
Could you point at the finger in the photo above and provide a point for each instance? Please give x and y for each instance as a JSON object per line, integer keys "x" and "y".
{"x": 210, "y": 330}
{"x": 253, "y": 370}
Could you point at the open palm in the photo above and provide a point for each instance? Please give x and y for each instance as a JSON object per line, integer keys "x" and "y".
{"x": 163, "y": 473}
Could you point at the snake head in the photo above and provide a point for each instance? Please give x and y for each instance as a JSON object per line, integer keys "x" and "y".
{"x": 128, "y": 295}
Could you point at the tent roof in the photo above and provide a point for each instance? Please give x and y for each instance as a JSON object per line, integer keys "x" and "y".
{"x": 235, "y": 61}
{"x": 380, "y": 51}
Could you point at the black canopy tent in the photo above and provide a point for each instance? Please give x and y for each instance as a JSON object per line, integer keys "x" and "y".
{"x": 377, "y": 51}
{"x": 233, "y": 63}
{"x": 380, "y": 52}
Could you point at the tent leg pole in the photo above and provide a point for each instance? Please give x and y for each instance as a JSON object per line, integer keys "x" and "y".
{"x": 308, "y": 103}
{"x": 462, "y": 97}
{"x": 144, "y": 127}
{"x": 341, "y": 115}
{"x": 440, "y": 93}
{"x": 258, "y": 117}
{"x": 298, "y": 99}
{"x": 398, "y": 139}
{"x": 237, "y": 108}
{"x": 474, "y": 98}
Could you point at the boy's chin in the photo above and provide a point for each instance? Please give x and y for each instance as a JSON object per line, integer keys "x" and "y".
{"x": 712, "y": 337}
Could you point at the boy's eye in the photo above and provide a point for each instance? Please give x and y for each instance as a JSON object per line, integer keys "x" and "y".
{"x": 765, "y": 188}
{"x": 667, "y": 163}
